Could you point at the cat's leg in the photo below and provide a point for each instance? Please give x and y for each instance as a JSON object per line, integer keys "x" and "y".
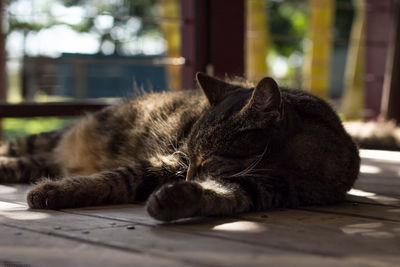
{"x": 27, "y": 169}
{"x": 190, "y": 199}
{"x": 118, "y": 186}
{"x": 32, "y": 144}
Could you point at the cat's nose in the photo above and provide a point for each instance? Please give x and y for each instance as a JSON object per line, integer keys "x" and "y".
{"x": 193, "y": 167}
{"x": 192, "y": 170}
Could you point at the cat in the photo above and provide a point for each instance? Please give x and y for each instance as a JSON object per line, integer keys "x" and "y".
{"x": 221, "y": 150}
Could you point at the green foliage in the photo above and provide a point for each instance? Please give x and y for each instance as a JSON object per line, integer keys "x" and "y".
{"x": 16, "y": 127}
{"x": 287, "y": 24}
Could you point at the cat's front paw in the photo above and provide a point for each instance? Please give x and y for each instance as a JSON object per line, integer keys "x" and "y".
{"x": 175, "y": 201}
{"x": 47, "y": 195}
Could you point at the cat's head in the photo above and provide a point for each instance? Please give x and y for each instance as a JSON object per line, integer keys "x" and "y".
{"x": 237, "y": 127}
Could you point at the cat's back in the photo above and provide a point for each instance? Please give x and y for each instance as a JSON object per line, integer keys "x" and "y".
{"x": 318, "y": 151}
{"x": 310, "y": 108}
{"x": 123, "y": 133}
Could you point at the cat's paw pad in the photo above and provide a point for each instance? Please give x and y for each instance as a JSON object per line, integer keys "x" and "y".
{"x": 46, "y": 195}
{"x": 175, "y": 201}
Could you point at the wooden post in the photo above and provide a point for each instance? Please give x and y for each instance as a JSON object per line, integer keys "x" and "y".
{"x": 319, "y": 47}
{"x": 193, "y": 43}
{"x": 353, "y": 100}
{"x": 226, "y": 37}
{"x": 378, "y": 24}
{"x": 2, "y": 56}
{"x": 212, "y": 38}
{"x": 3, "y": 76}
{"x": 256, "y": 40}
{"x": 390, "y": 108}
{"x": 170, "y": 29}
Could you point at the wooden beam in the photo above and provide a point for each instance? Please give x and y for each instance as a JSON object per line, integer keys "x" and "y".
{"x": 59, "y": 109}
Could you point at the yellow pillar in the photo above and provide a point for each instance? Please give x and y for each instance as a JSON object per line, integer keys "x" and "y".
{"x": 318, "y": 47}
{"x": 171, "y": 32}
{"x": 353, "y": 99}
{"x": 256, "y": 40}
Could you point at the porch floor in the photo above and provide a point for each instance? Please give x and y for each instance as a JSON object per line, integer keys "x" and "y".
{"x": 363, "y": 231}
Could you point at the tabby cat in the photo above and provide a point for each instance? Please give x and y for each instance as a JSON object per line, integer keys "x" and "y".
{"x": 227, "y": 150}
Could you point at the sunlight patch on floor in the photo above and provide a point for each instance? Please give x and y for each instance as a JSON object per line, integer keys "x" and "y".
{"x": 367, "y": 230}
{"x": 241, "y": 226}
{"x": 7, "y": 189}
{"x": 10, "y": 206}
{"x": 19, "y": 212}
{"x": 380, "y": 155}
{"x": 360, "y": 193}
{"x": 370, "y": 169}
{"x": 23, "y": 214}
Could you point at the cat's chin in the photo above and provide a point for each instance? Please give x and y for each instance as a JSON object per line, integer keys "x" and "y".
{"x": 175, "y": 201}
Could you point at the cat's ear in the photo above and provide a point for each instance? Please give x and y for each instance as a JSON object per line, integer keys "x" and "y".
{"x": 266, "y": 97}
{"x": 214, "y": 89}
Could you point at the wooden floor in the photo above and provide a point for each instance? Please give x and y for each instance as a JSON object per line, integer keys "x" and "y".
{"x": 363, "y": 231}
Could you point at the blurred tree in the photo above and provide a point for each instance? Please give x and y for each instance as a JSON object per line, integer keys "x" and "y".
{"x": 287, "y": 25}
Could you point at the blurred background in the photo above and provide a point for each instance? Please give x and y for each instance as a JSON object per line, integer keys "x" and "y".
{"x": 60, "y": 51}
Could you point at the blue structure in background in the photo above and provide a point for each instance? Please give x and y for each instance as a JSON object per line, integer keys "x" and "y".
{"x": 92, "y": 76}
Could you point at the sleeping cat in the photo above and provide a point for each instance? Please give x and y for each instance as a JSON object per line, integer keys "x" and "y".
{"x": 222, "y": 151}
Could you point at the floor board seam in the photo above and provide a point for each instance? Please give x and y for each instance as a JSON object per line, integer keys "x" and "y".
{"x": 280, "y": 248}
{"x": 104, "y": 244}
{"x": 352, "y": 215}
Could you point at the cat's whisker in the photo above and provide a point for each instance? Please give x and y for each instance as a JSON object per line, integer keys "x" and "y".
{"x": 252, "y": 165}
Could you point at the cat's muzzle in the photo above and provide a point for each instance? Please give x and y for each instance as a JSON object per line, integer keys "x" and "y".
{"x": 193, "y": 168}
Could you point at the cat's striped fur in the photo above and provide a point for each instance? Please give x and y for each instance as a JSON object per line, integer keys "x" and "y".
{"x": 246, "y": 149}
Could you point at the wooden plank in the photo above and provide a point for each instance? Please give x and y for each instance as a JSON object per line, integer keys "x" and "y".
{"x": 160, "y": 241}
{"x": 14, "y": 193}
{"x": 211, "y": 248}
{"x": 329, "y": 234}
{"x": 25, "y": 248}
{"x": 366, "y": 197}
{"x": 377, "y": 212}
{"x": 379, "y": 172}
{"x": 292, "y": 230}
{"x": 250, "y": 239}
